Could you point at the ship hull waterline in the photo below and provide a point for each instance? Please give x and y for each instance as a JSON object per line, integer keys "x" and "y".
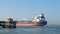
{"x": 29, "y": 25}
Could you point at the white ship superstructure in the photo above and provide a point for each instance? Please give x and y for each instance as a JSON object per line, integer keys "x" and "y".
{"x": 39, "y": 19}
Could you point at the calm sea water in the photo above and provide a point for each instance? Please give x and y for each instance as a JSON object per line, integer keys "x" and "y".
{"x": 31, "y": 30}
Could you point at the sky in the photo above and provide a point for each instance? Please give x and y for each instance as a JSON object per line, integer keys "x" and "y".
{"x": 18, "y": 9}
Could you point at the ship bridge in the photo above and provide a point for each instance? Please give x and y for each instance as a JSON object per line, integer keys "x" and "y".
{"x": 39, "y": 18}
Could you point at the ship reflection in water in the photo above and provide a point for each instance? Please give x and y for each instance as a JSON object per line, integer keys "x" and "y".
{"x": 31, "y": 30}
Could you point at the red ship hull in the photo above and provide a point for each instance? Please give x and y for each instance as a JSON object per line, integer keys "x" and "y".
{"x": 29, "y": 24}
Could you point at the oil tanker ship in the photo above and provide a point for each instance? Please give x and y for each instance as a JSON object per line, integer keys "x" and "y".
{"x": 38, "y": 20}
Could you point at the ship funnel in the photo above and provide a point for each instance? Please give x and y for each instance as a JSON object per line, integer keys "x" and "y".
{"x": 41, "y": 15}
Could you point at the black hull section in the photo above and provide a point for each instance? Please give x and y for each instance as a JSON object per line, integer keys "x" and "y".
{"x": 43, "y": 22}
{"x": 9, "y": 26}
{"x": 3, "y": 24}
